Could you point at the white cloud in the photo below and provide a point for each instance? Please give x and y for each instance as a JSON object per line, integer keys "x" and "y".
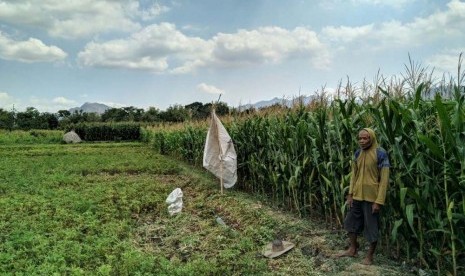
{"x": 152, "y": 12}
{"x": 270, "y": 45}
{"x": 192, "y": 28}
{"x": 203, "y": 87}
{"x": 4, "y": 96}
{"x": 397, "y": 4}
{"x": 392, "y": 3}
{"x": 63, "y": 101}
{"x": 344, "y": 34}
{"x": 31, "y": 50}
{"x": 7, "y": 101}
{"x": 447, "y": 61}
{"x": 44, "y": 104}
{"x": 40, "y": 103}
{"x": 114, "y": 105}
{"x": 78, "y": 18}
{"x": 150, "y": 49}
{"x": 441, "y": 25}
{"x": 163, "y": 48}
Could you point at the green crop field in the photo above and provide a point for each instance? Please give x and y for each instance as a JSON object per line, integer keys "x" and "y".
{"x": 99, "y": 209}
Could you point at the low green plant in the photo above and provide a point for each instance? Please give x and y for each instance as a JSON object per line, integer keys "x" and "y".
{"x": 91, "y": 209}
{"x": 30, "y": 137}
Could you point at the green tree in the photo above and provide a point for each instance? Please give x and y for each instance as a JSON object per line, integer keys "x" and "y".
{"x": 114, "y": 115}
{"x": 7, "y": 119}
{"x": 125, "y": 114}
{"x": 91, "y": 117}
{"x": 133, "y": 114}
{"x": 47, "y": 121}
{"x": 175, "y": 113}
{"x": 221, "y": 109}
{"x": 199, "y": 111}
{"x": 151, "y": 115}
{"x": 63, "y": 113}
{"x": 28, "y": 119}
{"x": 196, "y": 111}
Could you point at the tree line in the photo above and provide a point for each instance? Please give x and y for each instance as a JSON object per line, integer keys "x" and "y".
{"x": 31, "y": 118}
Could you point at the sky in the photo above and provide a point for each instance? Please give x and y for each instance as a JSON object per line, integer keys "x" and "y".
{"x": 59, "y": 54}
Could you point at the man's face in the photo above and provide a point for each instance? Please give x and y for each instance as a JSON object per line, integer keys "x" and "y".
{"x": 364, "y": 139}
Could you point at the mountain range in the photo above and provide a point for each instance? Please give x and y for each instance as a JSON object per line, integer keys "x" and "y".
{"x": 100, "y": 108}
{"x": 91, "y": 108}
{"x": 282, "y": 101}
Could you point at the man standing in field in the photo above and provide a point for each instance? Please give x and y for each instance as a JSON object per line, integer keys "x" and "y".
{"x": 367, "y": 192}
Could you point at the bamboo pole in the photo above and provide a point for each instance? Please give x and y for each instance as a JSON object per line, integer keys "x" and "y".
{"x": 221, "y": 150}
{"x": 219, "y": 144}
{"x": 221, "y": 178}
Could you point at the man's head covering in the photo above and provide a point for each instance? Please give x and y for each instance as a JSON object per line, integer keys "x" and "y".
{"x": 373, "y": 140}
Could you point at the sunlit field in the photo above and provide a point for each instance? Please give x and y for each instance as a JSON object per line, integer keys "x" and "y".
{"x": 100, "y": 209}
{"x": 300, "y": 159}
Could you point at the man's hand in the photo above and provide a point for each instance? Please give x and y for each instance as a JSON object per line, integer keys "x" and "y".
{"x": 375, "y": 208}
{"x": 349, "y": 201}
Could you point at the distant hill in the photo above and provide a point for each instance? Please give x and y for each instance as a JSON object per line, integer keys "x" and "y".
{"x": 91, "y": 108}
{"x": 101, "y": 108}
{"x": 281, "y": 101}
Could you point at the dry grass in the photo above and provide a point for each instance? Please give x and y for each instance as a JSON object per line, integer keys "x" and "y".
{"x": 251, "y": 224}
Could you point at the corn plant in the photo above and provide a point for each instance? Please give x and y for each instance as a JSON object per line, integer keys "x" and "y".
{"x": 300, "y": 159}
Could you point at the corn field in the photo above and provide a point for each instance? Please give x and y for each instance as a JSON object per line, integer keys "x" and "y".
{"x": 107, "y": 131}
{"x": 300, "y": 159}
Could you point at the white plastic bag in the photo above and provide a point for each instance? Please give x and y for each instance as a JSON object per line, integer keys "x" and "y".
{"x": 174, "y": 201}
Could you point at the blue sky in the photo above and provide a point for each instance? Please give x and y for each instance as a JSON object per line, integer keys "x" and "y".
{"x": 57, "y": 54}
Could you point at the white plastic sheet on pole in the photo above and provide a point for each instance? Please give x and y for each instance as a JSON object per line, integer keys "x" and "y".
{"x": 219, "y": 156}
{"x": 174, "y": 201}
